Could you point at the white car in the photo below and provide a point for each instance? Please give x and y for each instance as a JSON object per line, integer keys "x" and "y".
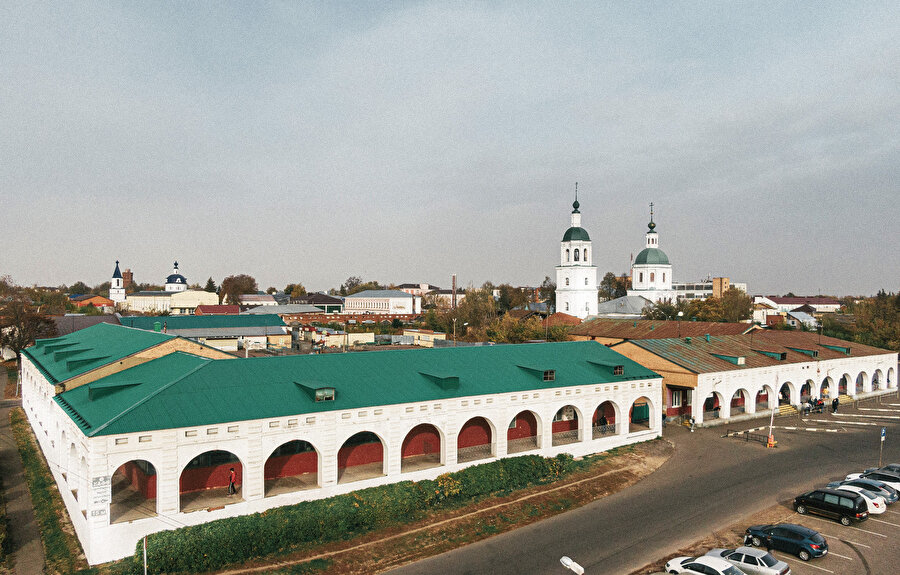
{"x": 885, "y": 477}
{"x": 752, "y": 561}
{"x": 876, "y": 503}
{"x": 705, "y": 565}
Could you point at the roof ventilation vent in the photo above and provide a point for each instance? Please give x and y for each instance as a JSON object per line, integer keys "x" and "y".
{"x": 687, "y": 340}
{"x": 707, "y": 337}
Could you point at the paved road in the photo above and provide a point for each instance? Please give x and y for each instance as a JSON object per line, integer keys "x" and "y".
{"x": 708, "y": 483}
{"x": 23, "y": 530}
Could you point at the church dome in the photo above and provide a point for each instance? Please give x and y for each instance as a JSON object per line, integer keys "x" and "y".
{"x": 652, "y": 256}
{"x": 176, "y": 279}
{"x": 576, "y": 234}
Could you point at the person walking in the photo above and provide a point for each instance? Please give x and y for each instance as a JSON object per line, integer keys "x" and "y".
{"x": 834, "y": 405}
{"x": 232, "y": 478}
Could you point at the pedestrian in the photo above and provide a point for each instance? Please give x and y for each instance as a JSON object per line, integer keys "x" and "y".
{"x": 834, "y": 405}
{"x": 692, "y": 424}
{"x": 664, "y": 419}
{"x": 232, "y": 477}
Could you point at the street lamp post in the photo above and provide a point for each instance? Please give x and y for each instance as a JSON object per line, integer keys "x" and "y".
{"x": 680, "y": 315}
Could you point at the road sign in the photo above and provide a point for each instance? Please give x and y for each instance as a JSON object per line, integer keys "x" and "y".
{"x": 883, "y": 433}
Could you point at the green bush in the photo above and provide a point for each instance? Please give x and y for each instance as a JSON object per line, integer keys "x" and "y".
{"x": 281, "y": 530}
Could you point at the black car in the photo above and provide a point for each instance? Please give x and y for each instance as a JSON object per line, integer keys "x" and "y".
{"x": 892, "y": 467}
{"x": 845, "y": 506}
{"x": 798, "y": 540}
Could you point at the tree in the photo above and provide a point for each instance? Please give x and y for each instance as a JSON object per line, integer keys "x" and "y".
{"x": 270, "y": 290}
{"x": 736, "y": 305}
{"x": 295, "y": 290}
{"x": 233, "y": 287}
{"x": 547, "y": 292}
{"x": 101, "y": 289}
{"x": 79, "y": 288}
{"x": 608, "y": 286}
{"x": 511, "y": 298}
{"x": 477, "y": 309}
{"x": 622, "y": 286}
{"x": 350, "y": 284}
{"x": 667, "y": 310}
{"x": 210, "y": 286}
{"x": 21, "y": 325}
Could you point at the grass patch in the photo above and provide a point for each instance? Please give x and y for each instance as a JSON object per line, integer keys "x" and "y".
{"x": 12, "y": 376}
{"x": 62, "y": 551}
{"x": 314, "y": 566}
{"x": 5, "y": 546}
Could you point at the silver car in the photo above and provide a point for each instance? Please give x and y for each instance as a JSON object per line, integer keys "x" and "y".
{"x": 752, "y": 561}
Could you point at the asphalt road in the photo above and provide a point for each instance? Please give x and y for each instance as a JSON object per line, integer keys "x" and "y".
{"x": 709, "y": 483}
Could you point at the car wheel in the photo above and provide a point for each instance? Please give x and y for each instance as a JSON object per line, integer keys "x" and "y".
{"x": 756, "y": 541}
{"x": 801, "y": 509}
{"x": 803, "y": 555}
{"x": 845, "y": 521}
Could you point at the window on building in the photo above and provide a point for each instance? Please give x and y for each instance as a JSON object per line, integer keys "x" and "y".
{"x": 585, "y": 254}
{"x": 619, "y": 370}
{"x": 652, "y": 276}
{"x": 567, "y": 306}
{"x": 664, "y": 277}
{"x": 585, "y": 281}
{"x": 576, "y": 254}
{"x": 567, "y": 281}
{"x": 641, "y": 277}
{"x": 587, "y": 307}
{"x": 567, "y": 255}
{"x": 550, "y": 375}
{"x": 325, "y": 394}
{"x": 676, "y": 397}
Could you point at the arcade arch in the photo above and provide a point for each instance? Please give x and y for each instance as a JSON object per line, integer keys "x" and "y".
{"x": 475, "y": 440}
{"x": 522, "y": 432}
{"x": 566, "y": 426}
{"x": 292, "y": 466}
{"x": 361, "y": 457}
{"x": 640, "y": 415}
{"x": 739, "y": 401}
{"x": 203, "y": 482}
{"x": 421, "y": 448}
{"x": 133, "y": 492}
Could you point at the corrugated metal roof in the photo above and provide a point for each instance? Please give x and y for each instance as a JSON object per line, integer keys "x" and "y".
{"x": 176, "y": 322}
{"x": 181, "y": 390}
{"x": 697, "y": 355}
{"x": 79, "y": 352}
{"x": 284, "y": 309}
{"x": 656, "y": 329}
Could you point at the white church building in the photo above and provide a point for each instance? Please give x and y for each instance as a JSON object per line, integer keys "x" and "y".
{"x": 651, "y": 272}
{"x": 175, "y": 298}
{"x": 576, "y": 277}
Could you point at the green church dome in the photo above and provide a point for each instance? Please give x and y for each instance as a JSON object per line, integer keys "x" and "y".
{"x": 651, "y": 256}
{"x": 576, "y": 235}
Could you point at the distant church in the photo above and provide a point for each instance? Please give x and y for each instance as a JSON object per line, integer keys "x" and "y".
{"x": 651, "y": 272}
{"x": 175, "y": 298}
{"x": 576, "y": 278}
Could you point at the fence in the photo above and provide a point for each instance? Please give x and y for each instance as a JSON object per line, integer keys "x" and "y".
{"x": 474, "y": 453}
{"x": 564, "y": 437}
{"x": 748, "y": 437}
{"x": 601, "y": 430}
{"x": 520, "y": 445}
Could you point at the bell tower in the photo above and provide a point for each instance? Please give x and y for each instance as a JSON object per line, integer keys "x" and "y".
{"x": 576, "y": 277}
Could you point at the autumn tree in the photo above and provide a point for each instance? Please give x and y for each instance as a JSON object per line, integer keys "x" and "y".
{"x": 667, "y": 309}
{"x": 21, "y": 324}
{"x": 511, "y": 298}
{"x": 736, "y": 305}
{"x": 608, "y": 287}
{"x": 233, "y": 287}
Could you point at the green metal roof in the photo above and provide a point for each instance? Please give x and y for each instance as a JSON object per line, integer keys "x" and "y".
{"x": 182, "y": 390}
{"x": 65, "y": 357}
{"x": 576, "y": 234}
{"x": 651, "y": 256}
{"x": 202, "y": 321}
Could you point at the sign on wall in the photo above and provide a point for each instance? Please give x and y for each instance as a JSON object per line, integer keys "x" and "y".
{"x": 101, "y": 490}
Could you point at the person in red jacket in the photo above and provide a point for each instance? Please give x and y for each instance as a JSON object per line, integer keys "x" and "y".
{"x": 232, "y": 479}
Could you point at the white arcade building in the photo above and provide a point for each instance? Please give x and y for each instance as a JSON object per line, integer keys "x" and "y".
{"x": 576, "y": 278}
{"x": 140, "y": 429}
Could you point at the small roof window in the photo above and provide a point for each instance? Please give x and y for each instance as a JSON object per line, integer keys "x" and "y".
{"x": 325, "y": 394}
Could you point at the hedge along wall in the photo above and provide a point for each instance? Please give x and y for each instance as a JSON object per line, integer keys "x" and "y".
{"x": 217, "y": 544}
{"x": 4, "y": 523}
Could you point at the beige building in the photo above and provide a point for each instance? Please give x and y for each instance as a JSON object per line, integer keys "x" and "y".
{"x": 176, "y": 303}
{"x": 424, "y": 337}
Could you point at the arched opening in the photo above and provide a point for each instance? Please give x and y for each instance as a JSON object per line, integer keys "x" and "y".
{"x": 603, "y": 422}
{"x": 72, "y": 460}
{"x": 786, "y": 393}
{"x": 639, "y": 415}
{"x": 576, "y": 255}
{"x": 521, "y": 435}
{"x": 877, "y": 380}
{"x": 739, "y": 401}
{"x": 586, "y": 256}
{"x": 567, "y": 254}
{"x": 133, "y": 492}
{"x": 712, "y": 405}
{"x": 764, "y": 398}
{"x": 293, "y": 466}
{"x": 421, "y": 449}
{"x": 806, "y": 391}
{"x": 843, "y": 384}
{"x": 474, "y": 441}
{"x": 825, "y": 389}
{"x": 361, "y": 457}
{"x": 205, "y": 481}
{"x": 861, "y": 381}
{"x": 565, "y": 426}
{"x": 891, "y": 380}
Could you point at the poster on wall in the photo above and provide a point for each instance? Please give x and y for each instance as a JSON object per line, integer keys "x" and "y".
{"x": 101, "y": 490}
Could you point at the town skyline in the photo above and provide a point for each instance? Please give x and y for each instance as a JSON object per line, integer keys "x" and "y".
{"x": 406, "y": 143}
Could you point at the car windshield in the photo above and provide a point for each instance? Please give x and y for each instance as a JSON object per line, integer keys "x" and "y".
{"x": 769, "y": 560}
{"x": 817, "y": 539}
{"x": 867, "y": 493}
{"x": 733, "y": 571}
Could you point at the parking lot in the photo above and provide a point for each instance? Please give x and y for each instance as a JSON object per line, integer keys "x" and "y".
{"x": 868, "y": 547}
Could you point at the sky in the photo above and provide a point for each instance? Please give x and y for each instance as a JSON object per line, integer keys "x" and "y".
{"x": 405, "y": 142}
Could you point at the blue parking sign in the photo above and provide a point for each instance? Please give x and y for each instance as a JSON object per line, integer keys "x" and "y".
{"x": 883, "y": 432}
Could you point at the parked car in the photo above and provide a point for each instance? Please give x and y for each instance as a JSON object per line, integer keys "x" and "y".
{"x": 886, "y": 477}
{"x": 798, "y": 540}
{"x": 876, "y": 503}
{"x": 704, "y": 565}
{"x": 890, "y": 494}
{"x": 892, "y": 467}
{"x": 844, "y": 506}
{"x": 752, "y": 561}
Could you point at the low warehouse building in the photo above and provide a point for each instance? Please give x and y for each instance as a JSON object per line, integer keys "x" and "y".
{"x": 150, "y": 448}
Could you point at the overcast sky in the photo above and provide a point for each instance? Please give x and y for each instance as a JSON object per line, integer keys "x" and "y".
{"x": 406, "y": 142}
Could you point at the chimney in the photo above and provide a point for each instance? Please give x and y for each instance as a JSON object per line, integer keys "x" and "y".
{"x": 453, "y": 295}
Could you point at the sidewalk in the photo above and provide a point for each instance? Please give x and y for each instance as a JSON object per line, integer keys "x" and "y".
{"x": 28, "y": 554}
